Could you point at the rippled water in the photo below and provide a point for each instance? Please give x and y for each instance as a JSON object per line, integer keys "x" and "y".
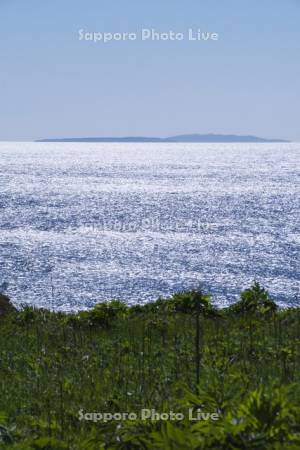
{"x": 85, "y": 222}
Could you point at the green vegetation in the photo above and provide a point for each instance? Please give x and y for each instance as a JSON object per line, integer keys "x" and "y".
{"x": 5, "y": 306}
{"x": 179, "y": 356}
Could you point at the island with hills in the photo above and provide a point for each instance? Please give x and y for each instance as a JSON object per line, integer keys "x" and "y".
{"x": 183, "y": 138}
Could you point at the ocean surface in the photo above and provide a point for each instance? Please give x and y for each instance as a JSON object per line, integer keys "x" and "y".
{"x": 82, "y": 223}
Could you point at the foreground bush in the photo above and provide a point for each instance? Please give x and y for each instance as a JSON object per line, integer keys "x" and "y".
{"x": 181, "y": 355}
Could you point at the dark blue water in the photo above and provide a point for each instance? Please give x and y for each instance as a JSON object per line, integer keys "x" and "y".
{"x": 81, "y": 223}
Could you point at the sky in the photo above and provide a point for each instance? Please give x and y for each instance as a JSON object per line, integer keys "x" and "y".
{"x": 52, "y": 84}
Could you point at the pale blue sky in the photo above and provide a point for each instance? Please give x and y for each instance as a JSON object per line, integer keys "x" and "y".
{"x": 53, "y": 85}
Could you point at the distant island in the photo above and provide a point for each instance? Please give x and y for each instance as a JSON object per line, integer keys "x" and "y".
{"x": 192, "y": 138}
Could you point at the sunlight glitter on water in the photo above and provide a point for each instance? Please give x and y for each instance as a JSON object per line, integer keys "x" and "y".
{"x": 81, "y": 223}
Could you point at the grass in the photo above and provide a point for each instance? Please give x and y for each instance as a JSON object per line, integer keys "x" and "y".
{"x": 180, "y": 355}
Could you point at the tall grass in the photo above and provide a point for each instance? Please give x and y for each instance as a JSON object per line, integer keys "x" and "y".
{"x": 242, "y": 363}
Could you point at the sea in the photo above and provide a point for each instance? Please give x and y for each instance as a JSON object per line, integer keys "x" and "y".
{"x": 82, "y": 223}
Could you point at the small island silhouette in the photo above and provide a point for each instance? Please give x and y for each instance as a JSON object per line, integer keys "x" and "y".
{"x": 191, "y": 138}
